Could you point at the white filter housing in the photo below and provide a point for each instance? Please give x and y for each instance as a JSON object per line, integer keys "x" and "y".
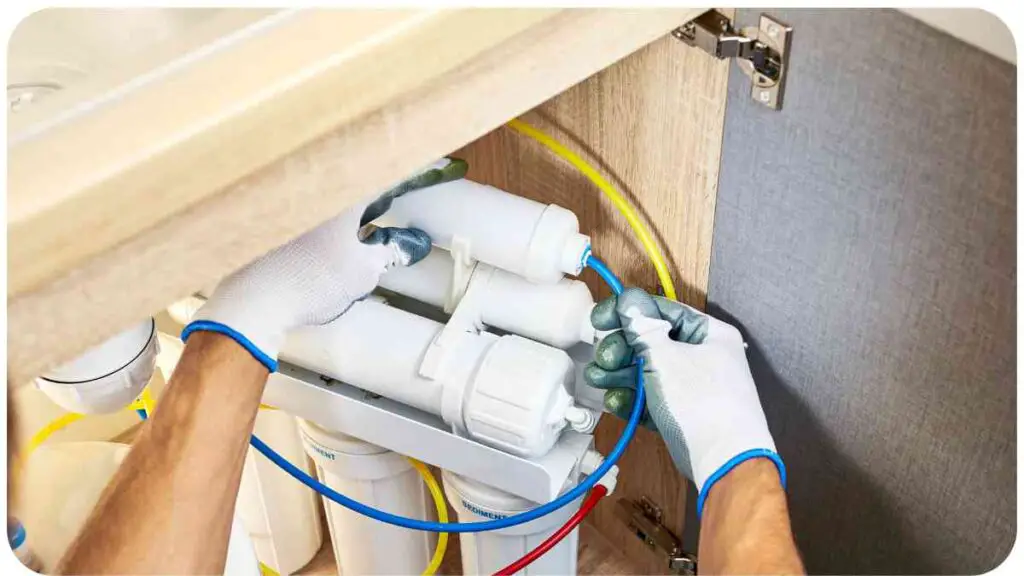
{"x": 378, "y": 478}
{"x": 282, "y": 516}
{"x": 488, "y": 552}
{"x": 557, "y": 313}
{"x": 536, "y": 241}
{"x": 108, "y": 377}
{"x": 508, "y": 392}
{"x": 429, "y": 280}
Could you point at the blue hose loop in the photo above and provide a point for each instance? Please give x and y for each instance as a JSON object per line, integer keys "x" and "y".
{"x": 497, "y": 524}
{"x": 595, "y": 264}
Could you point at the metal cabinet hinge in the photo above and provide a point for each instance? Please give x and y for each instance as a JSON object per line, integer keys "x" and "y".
{"x": 644, "y": 520}
{"x": 762, "y": 52}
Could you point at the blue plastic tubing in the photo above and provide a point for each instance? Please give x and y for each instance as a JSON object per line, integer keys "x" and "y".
{"x": 456, "y": 527}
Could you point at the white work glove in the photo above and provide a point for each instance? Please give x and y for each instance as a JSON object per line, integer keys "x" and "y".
{"x": 700, "y": 393}
{"x": 316, "y": 277}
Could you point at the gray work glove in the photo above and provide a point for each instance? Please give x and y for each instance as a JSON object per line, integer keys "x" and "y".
{"x": 316, "y": 277}
{"x": 700, "y": 393}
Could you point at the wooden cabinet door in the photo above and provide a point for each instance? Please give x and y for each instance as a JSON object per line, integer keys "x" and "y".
{"x": 652, "y": 123}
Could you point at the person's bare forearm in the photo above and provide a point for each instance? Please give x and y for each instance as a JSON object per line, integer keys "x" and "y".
{"x": 169, "y": 507}
{"x": 745, "y": 526}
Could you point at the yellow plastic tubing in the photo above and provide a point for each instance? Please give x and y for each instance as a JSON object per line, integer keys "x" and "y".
{"x": 617, "y": 199}
{"x": 45, "y": 432}
{"x": 442, "y": 514}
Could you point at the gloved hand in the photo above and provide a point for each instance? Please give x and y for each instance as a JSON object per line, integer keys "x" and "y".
{"x": 316, "y": 277}
{"x": 700, "y": 393}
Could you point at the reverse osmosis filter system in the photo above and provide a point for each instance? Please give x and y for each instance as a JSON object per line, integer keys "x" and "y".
{"x": 460, "y": 362}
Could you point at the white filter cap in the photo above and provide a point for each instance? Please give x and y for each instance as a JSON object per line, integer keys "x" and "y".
{"x": 575, "y": 253}
{"x": 556, "y": 246}
{"x": 474, "y": 501}
{"x": 349, "y": 457}
{"x": 519, "y": 397}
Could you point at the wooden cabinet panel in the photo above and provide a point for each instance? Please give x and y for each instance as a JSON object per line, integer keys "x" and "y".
{"x": 653, "y": 125}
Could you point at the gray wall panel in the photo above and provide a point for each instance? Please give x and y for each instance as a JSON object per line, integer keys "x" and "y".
{"x": 865, "y": 242}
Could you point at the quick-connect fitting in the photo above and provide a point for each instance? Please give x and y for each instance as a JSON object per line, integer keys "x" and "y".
{"x": 591, "y": 461}
{"x": 580, "y": 419}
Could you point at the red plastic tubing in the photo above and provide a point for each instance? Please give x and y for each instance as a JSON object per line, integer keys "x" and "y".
{"x": 598, "y": 492}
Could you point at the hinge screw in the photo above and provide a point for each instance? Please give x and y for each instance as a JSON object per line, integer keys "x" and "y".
{"x": 685, "y": 31}
{"x": 764, "y": 96}
{"x": 773, "y": 31}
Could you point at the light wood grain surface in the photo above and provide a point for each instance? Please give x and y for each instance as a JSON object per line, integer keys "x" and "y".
{"x": 177, "y": 134}
{"x": 653, "y": 123}
{"x": 58, "y": 305}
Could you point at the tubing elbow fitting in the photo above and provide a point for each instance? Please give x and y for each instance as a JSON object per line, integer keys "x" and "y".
{"x": 591, "y": 461}
{"x": 580, "y": 419}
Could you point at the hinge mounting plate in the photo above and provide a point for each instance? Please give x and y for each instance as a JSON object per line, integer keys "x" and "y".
{"x": 762, "y": 52}
{"x": 643, "y": 518}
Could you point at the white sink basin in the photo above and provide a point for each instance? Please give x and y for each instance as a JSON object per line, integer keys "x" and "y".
{"x": 64, "y": 56}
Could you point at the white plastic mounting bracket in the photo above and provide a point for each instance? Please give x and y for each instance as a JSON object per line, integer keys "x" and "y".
{"x": 406, "y": 430}
{"x": 462, "y": 255}
{"x": 462, "y": 303}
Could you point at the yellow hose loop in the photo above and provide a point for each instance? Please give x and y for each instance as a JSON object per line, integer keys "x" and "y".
{"x": 617, "y": 199}
{"x": 442, "y": 514}
{"x": 37, "y": 439}
{"x": 144, "y": 401}
{"x": 50, "y": 429}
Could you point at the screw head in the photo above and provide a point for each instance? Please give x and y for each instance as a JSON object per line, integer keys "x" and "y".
{"x": 773, "y": 30}
{"x": 764, "y": 96}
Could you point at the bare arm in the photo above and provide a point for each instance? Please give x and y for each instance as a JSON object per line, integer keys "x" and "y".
{"x": 745, "y": 526}
{"x": 169, "y": 507}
